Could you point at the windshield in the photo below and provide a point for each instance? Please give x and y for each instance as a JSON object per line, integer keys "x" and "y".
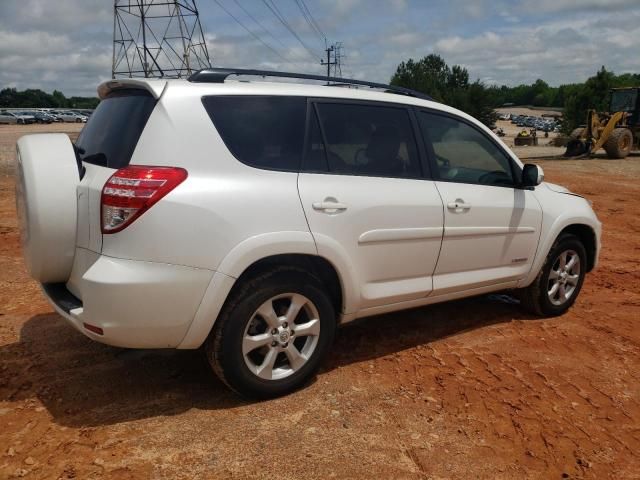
{"x": 624, "y": 100}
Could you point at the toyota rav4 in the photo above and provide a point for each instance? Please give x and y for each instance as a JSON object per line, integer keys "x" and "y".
{"x": 253, "y": 218}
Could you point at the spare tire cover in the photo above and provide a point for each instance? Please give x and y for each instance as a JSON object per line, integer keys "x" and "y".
{"x": 46, "y": 182}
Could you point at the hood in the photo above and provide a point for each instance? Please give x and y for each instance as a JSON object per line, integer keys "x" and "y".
{"x": 556, "y": 188}
{"x": 560, "y": 189}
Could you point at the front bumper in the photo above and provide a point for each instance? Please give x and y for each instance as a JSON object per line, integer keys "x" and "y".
{"x": 136, "y": 304}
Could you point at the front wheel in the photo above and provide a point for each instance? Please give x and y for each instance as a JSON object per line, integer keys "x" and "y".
{"x": 618, "y": 145}
{"x": 272, "y": 334}
{"x": 560, "y": 279}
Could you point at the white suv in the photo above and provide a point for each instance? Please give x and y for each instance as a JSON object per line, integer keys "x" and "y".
{"x": 252, "y": 218}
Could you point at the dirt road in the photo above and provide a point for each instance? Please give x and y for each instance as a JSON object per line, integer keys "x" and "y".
{"x": 469, "y": 389}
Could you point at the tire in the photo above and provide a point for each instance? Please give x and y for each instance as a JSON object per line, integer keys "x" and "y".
{"x": 46, "y": 182}
{"x": 239, "y": 320}
{"x": 576, "y": 133}
{"x": 618, "y": 145}
{"x": 537, "y": 298}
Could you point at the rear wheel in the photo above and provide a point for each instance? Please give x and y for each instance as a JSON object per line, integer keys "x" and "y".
{"x": 272, "y": 334}
{"x": 618, "y": 145}
{"x": 560, "y": 279}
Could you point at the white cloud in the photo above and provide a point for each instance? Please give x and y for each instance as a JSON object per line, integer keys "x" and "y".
{"x": 66, "y": 44}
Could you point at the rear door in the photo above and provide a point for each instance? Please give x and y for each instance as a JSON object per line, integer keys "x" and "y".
{"x": 105, "y": 144}
{"x": 491, "y": 226}
{"x": 368, "y": 206}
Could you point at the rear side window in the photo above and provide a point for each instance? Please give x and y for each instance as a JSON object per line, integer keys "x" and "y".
{"x": 112, "y": 132}
{"x": 369, "y": 140}
{"x": 264, "y": 132}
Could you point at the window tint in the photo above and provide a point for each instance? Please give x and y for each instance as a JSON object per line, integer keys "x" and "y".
{"x": 264, "y": 132}
{"x": 463, "y": 153}
{"x": 315, "y": 159}
{"x": 112, "y": 132}
{"x": 369, "y": 140}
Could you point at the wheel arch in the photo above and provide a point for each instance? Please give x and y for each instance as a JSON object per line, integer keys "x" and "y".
{"x": 315, "y": 264}
{"x": 588, "y": 238}
{"x": 255, "y": 258}
{"x": 585, "y": 227}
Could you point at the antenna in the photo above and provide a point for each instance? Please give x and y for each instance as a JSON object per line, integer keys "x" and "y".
{"x": 157, "y": 38}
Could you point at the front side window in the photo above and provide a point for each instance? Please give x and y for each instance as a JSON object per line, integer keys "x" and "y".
{"x": 463, "y": 153}
{"x": 264, "y": 132}
{"x": 368, "y": 140}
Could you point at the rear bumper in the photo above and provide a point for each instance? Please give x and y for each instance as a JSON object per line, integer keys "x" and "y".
{"x": 136, "y": 304}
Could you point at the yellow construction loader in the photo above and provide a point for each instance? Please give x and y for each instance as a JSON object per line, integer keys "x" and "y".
{"x": 617, "y": 131}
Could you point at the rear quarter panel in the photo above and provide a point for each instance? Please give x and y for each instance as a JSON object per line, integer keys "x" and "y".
{"x": 220, "y": 205}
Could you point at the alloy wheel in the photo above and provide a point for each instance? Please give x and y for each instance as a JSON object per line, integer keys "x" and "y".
{"x": 563, "y": 277}
{"x": 281, "y": 336}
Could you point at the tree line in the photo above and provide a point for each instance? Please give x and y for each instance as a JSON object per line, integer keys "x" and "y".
{"x": 35, "y": 98}
{"x": 431, "y": 75}
{"x": 451, "y": 85}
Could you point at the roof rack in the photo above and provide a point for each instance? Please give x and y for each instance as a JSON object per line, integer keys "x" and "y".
{"x": 219, "y": 75}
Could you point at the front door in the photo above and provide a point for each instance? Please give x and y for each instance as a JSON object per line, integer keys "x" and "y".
{"x": 492, "y": 226}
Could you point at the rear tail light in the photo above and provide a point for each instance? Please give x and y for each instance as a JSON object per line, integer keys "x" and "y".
{"x": 132, "y": 190}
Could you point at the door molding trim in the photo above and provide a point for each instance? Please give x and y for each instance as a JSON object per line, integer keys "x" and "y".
{"x": 454, "y": 232}
{"x": 399, "y": 234}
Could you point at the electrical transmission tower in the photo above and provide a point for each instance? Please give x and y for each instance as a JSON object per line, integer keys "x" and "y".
{"x": 157, "y": 38}
{"x": 334, "y": 60}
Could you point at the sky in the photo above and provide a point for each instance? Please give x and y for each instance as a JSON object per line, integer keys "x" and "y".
{"x": 67, "y": 44}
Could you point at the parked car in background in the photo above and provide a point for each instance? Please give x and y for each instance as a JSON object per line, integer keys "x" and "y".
{"x": 67, "y": 116}
{"x": 7, "y": 117}
{"x": 40, "y": 117}
{"x": 16, "y": 117}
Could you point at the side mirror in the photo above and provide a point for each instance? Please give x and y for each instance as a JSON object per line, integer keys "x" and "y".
{"x": 532, "y": 175}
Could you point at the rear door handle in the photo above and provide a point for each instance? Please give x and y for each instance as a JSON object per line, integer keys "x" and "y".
{"x": 329, "y": 206}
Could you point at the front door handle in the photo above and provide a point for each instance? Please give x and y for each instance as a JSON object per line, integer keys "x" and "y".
{"x": 459, "y": 205}
{"x": 329, "y": 205}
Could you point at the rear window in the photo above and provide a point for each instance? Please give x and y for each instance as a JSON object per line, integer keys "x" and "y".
{"x": 112, "y": 132}
{"x": 264, "y": 132}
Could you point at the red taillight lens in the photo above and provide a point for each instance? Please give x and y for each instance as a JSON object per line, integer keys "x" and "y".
{"x": 133, "y": 190}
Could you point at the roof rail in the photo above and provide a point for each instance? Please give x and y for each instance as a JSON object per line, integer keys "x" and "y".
{"x": 219, "y": 75}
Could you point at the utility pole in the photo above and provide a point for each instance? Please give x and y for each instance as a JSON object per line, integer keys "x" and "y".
{"x": 334, "y": 59}
{"x": 157, "y": 38}
{"x": 328, "y": 63}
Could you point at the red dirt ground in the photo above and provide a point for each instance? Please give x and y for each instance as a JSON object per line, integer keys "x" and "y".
{"x": 468, "y": 389}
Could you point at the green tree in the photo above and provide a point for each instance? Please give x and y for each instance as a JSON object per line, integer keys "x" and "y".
{"x": 450, "y": 85}
{"x": 34, "y": 98}
{"x": 593, "y": 94}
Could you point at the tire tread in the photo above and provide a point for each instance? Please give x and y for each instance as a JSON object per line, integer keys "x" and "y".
{"x": 213, "y": 344}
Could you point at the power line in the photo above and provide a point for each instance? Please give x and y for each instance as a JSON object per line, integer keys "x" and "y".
{"x": 251, "y": 32}
{"x": 274, "y": 9}
{"x": 260, "y": 24}
{"x": 310, "y": 21}
{"x": 313, "y": 21}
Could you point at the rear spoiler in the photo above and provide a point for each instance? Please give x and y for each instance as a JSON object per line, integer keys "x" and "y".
{"x": 155, "y": 87}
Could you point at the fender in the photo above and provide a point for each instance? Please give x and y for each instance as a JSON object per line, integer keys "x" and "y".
{"x": 241, "y": 257}
{"x": 549, "y": 235}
